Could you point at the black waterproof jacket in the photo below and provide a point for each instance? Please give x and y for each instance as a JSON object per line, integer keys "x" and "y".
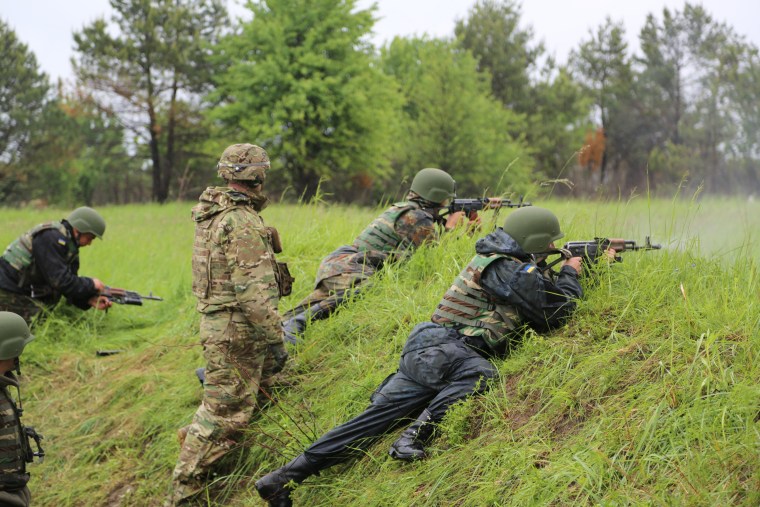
{"x": 53, "y": 277}
{"x": 542, "y": 303}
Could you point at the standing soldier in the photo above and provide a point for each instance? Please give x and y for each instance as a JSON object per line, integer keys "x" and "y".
{"x": 502, "y": 289}
{"x": 238, "y": 284}
{"x": 390, "y": 237}
{"x": 43, "y": 264}
{"x": 15, "y": 451}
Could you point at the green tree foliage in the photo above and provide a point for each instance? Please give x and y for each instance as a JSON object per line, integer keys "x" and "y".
{"x": 302, "y": 82}
{"x": 746, "y": 97}
{"x": 152, "y": 72}
{"x": 451, "y": 120}
{"x": 603, "y": 66}
{"x": 78, "y": 156}
{"x": 524, "y": 81}
{"x": 558, "y": 121}
{"x": 24, "y": 91}
{"x": 493, "y": 35}
{"x": 688, "y": 82}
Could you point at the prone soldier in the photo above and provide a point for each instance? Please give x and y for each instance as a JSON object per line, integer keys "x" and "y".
{"x": 502, "y": 289}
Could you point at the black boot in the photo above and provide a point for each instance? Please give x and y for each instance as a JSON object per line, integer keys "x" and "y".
{"x": 294, "y": 327}
{"x": 201, "y": 374}
{"x": 410, "y": 446}
{"x": 272, "y": 487}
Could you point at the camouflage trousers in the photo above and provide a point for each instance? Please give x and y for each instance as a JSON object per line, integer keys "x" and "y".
{"x": 239, "y": 368}
{"x": 322, "y": 302}
{"x": 19, "y": 304}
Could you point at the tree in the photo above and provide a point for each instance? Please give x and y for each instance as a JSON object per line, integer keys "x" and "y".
{"x": 24, "y": 93}
{"x": 690, "y": 67}
{"x": 492, "y": 34}
{"x": 452, "y": 122}
{"x": 554, "y": 106}
{"x": 152, "y": 73}
{"x": 302, "y": 82}
{"x": 603, "y": 66}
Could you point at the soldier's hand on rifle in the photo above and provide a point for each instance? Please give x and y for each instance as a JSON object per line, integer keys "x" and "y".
{"x": 610, "y": 255}
{"x": 454, "y": 220}
{"x": 574, "y": 262}
{"x": 100, "y": 302}
{"x": 280, "y": 356}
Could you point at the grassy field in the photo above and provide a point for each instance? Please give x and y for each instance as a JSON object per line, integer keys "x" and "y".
{"x": 651, "y": 396}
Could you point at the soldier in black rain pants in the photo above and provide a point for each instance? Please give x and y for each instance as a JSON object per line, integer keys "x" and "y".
{"x": 447, "y": 359}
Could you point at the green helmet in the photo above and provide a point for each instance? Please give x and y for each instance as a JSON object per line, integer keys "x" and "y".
{"x": 86, "y": 219}
{"x": 244, "y": 162}
{"x": 14, "y": 335}
{"x": 533, "y": 228}
{"x": 434, "y": 185}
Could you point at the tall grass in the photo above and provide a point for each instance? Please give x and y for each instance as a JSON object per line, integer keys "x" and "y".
{"x": 649, "y": 396}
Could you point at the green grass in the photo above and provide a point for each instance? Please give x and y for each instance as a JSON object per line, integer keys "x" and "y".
{"x": 650, "y": 396}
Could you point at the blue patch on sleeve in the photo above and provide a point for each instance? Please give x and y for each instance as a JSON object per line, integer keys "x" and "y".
{"x": 529, "y": 268}
{"x": 62, "y": 242}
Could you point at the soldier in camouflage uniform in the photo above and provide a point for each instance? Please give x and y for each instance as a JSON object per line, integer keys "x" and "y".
{"x": 15, "y": 450}
{"x": 238, "y": 284}
{"x": 43, "y": 264}
{"x": 502, "y": 289}
{"x": 392, "y": 236}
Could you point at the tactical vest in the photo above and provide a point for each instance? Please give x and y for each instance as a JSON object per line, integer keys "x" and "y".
{"x": 19, "y": 253}
{"x": 380, "y": 235}
{"x": 212, "y": 283}
{"x": 12, "y": 445}
{"x": 471, "y": 310}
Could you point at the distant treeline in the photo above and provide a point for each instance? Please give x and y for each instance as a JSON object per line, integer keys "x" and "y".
{"x": 164, "y": 85}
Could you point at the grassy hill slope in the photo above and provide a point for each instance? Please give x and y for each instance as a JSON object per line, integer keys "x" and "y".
{"x": 649, "y": 396}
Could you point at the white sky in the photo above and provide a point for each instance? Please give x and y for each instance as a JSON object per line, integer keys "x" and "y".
{"x": 46, "y": 26}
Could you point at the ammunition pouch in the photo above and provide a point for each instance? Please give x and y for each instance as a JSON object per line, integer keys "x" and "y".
{"x": 274, "y": 240}
{"x": 13, "y": 481}
{"x": 284, "y": 279}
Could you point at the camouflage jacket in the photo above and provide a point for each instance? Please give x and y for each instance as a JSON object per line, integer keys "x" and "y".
{"x": 234, "y": 266}
{"x": 414, "y": 226}
{"x": 13, "y": 449}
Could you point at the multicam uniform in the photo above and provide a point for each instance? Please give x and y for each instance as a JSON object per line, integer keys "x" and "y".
{"x": 13, "y": 449}
{"x": 41, "y": 266}
{"x": 392, "y": 236}
{"x": 448, "y": 359}
{"x": 235, "y": 278}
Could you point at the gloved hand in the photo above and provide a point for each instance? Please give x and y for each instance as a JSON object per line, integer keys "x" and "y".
{"x": 280, "y": 356}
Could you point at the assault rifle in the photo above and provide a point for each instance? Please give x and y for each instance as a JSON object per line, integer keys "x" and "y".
{"x": 470, "y": 206}
{"x": 592, "y": 250}
{"x": 477, "y": 204}
{"x": 127, "y": 297}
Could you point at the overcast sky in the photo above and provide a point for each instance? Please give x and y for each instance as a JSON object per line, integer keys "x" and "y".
{"x": 46, "y": 26}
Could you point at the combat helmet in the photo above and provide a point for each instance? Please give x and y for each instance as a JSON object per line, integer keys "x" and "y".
{"x": 246, "y": 162}
{"x": 87, "y": 220}
{"x": 533, "y": 228}
{"x": 434, "y": 185}
{"x": 14, "y": 335}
